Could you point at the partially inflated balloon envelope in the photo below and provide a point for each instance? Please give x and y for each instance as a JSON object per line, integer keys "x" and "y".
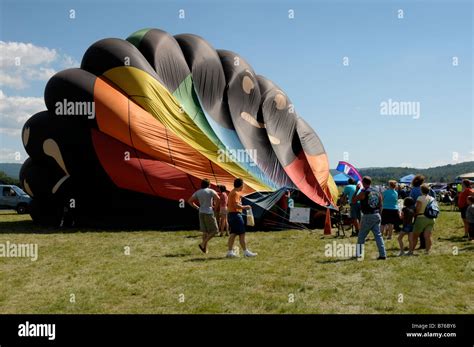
{"x": 144, "y": 120}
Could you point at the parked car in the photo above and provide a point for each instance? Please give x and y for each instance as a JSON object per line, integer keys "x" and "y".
{"x": 439, "y": 188}
{"x": 13, "y": 197}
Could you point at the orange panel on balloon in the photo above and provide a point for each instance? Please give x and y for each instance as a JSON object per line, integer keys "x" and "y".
{"x": 141, "y": 173}
{"x": 127, "y": 122}
{"x": 301, "y": 174}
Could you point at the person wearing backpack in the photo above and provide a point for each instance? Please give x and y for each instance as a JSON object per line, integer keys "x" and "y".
{"x": 371, "y": 206}
{"x": 425, "y": 218}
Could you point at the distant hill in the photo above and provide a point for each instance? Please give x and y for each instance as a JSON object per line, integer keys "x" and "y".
{"x": 11, "y": 169}
{"x": 446, "y": 173}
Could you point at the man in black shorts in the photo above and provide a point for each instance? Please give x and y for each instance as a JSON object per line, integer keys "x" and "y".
{"x": 236, "y": 220}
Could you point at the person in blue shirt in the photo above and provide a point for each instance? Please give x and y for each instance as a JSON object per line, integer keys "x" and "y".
{"x": 390, "y": 212}
{"x": 415, "y": 192}
{"x": 349, "y": 191}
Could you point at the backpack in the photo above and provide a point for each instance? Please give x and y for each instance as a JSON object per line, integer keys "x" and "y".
{"x": 373, "y": 200}
{"x": 432, "y": 209}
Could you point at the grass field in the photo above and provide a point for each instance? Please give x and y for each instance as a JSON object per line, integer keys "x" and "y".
{"x": 166, "y": 273}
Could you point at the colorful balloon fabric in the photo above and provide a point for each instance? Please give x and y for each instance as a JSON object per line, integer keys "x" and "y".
{"x": 144, "y": 119}
{"x": 349, "y": 170}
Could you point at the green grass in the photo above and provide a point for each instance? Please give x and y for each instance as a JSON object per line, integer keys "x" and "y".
{"x": 91, "y": 264}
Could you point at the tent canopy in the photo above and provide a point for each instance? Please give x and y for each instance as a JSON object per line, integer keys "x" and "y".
{"x": 468, "y": 176}
{"x": 341, "y": 179}
{"x": 407, "y": 179}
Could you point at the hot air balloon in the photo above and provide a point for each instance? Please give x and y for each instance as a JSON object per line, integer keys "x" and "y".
{"x": 131, "y": 133}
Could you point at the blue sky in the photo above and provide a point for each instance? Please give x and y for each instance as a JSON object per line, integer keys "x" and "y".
{"x": 407, "y": 60}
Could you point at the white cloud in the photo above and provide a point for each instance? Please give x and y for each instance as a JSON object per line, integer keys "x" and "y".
{"x": 42, "y": 73}
{"x": 68, "y": 62}
{"x": 21, "y": 63}
{"x": 459, "y": 157}
{"x": 15, "y": 110}
{"x": 19, "y": 53}
{"x": 11, "y": 81}
{"x": 406, "y": 165}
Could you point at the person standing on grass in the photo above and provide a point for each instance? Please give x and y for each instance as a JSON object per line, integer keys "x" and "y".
{"x": 208, "y": 201}
{"x": 463, "y": 204}
{"x": 349, "y": 191}
{"x": 422, "y": 224}
{"x": 371, "y": 206}
{"x": 408, "y": 214}
{"x": 415, "y": 193}
{"x": 390, "y": 213}
{"x": 223, "y": 225}
{"x": 470, "y": 216}
{"x": 236, "y": 220}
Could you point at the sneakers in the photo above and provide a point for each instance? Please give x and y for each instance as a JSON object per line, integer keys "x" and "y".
{"x": 401, "y": 254}
{"x": 234, "y": 254}
{"x": 381, "y": 258}
{"x": 247, "y": 253}
{"x": 231, "y": 254}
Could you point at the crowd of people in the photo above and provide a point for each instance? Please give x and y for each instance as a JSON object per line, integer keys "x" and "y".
{"x": 382, "y": 211}
{"x": 229, "y": 210}
{"x": 411, "y": 211}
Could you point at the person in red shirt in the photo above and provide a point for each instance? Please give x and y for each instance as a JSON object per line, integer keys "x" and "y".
{"x": 463, "y": 203}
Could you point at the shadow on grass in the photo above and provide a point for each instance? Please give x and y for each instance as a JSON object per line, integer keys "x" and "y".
{"x": 28, "y": 227}
{"x": 332, "y": 261}
{"x": 179, "y": 255}
{"x": 200, "y": 260}
{"x": 453, "y": 239}
{"x": 450, "y": 211}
